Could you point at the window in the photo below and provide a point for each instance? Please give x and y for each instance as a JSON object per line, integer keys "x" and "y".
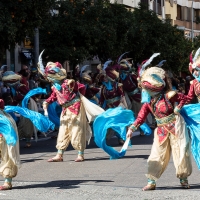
{"x": 178, "y": 12}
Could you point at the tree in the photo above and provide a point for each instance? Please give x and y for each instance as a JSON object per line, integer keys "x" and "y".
{"x": 149, "y": 35}
{"x": 19, "y": 18}
{"x": 86, "y": 30}
{"x": 81, "y": 30}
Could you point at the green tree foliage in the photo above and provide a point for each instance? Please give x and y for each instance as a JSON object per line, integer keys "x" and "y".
{"x": 80, "y": 30}
{"x": 19, "y": 18}
{"x": 150, "y": 34}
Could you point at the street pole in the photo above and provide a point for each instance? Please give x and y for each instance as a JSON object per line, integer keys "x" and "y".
{"x": 192, "y": 33}
{"x": 36, "y": 46}
{"x": 163, "y": 9}
{"x": 156, "y": 7}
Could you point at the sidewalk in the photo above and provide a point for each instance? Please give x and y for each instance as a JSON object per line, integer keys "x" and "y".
{"x": 95, "y": 178}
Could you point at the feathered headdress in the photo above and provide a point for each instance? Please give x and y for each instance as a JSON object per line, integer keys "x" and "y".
{"x": 86, "y": 77}
{"x": 148, "y": 62}
{"x": 194, "y": 62}
{"x": 191, "y": 62}
{"x": 84, "y": 68}
{"x": 120, "y": 57}
{"x": 161, "y": 63}
{"x": 125, "y": 65}
{"x": 106, "y": 64}
{"x": 53, "y": 71}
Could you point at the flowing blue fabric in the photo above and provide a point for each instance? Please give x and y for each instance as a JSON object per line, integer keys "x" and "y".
{"x": 54, "y": 112}
{"x": 191, "y": 115}
{"x": 118, "y": 119}
{"x": 7, "y": 130}
{"x": 32, "y": 93}
{"x": 41, "y": 122}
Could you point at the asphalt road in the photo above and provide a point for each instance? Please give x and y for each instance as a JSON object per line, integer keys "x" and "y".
{"x": 97, "y": 177}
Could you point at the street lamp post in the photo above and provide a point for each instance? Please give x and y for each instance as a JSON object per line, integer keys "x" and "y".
{"x": 156, "y": 7}
{"x": 36, "y": 46}
{"x": 192, "y": 32}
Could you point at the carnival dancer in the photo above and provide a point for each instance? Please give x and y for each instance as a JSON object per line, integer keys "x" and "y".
{"x": 112, "y": 94}
{"x": 18, "y": 92}
{"x": 74, "y": 126}
{"x": 9, "y": 148}
{"x": 191, "y": 112}
{"x": 130, "y": 87}
{"x": 91, "y": 93}
{"x": 194, "y": 68}
{"x": 171, "y": 134}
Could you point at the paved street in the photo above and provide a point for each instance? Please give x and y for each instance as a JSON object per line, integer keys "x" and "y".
{"x": 95, "y": 178}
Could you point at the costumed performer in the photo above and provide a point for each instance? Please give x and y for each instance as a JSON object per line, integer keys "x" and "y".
{"x": 9, "y": 148}
{"x": 18, "y": 92}
{"x": 112, "y": 94}
{"x": 171, "y": 135}
{"x": 91, "y": 93}
{"x": 73, "y": 123}
{"x": 194, "y": 68}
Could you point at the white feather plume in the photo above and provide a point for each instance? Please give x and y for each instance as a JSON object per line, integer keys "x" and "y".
{"x": 40, "y": 64}
{"x": 148, "y": 62}
{"x": 196, "y": 55}
{"x": 106, "y": 64}
{"x": 195, "y": 58}
{"x": 161, "y": 63}
{"x": 119, "y": 59}
{"x": 83, "y": 69}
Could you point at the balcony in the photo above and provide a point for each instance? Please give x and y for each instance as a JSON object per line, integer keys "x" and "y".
{"x": 187, "y": 24}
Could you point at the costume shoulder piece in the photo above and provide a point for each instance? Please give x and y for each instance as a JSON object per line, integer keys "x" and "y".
{"x": 120, "y": 84}
{"x": 170, "y": 94}
{"x": 69, "y": 81}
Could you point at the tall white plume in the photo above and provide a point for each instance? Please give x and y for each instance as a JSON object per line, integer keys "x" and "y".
{"x": 83, "y": 69}
{"x": 148, "y": 62}
{"x": 40, "y": 64}
{"x": 161, "y": 63}
{"x": 106, "y": 64}
{"x": 119, "y": 59}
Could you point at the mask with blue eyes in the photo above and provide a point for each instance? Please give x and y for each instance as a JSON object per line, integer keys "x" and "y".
{"x": 197, "y": 78}
{"x": 146, "y": 98}
{"x": 123, "y": 75}
{"x": 108, "y": 85}
{"x": 57, "y": 86}
{"x": 147, "y": 95}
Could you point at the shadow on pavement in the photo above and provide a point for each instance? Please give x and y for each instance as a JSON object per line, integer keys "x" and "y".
{"x": 29, "y": 160}
{"x": 178, "y": 187}
{"x": 50, "y": 144}
{"x": 125, "y": 157}
{"x": 61, "y": 184}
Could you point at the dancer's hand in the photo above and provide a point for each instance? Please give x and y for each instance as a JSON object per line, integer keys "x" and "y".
{"x": 129, "y": 133}
{"x": 45, "y": 106}
{"x": 177, "y": 110}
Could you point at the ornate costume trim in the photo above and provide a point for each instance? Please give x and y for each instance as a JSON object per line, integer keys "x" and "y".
{"x": 166, "y": 120}
{"x": 76, "y": 99}
{"x": 109, "y": 101}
